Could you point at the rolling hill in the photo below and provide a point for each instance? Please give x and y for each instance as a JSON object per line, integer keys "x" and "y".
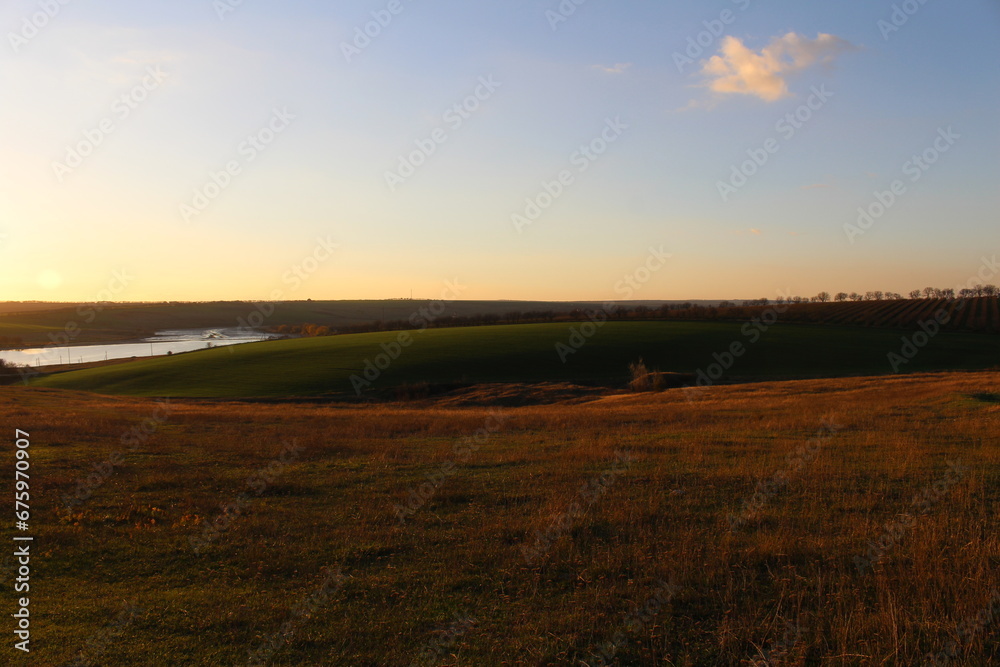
{"x": 528, "y": 353}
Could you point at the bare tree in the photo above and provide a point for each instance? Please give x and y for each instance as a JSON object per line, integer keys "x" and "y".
{"x": 823, "y": 297}
{"x": 915, "y": 294}
{"x": 841, "y": 296}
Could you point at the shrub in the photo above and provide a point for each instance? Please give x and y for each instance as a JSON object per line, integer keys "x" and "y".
{"x": 640, "y": 376}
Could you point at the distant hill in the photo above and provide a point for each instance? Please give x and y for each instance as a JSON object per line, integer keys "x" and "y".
{"x": 41, "y": 324}
{"x": 8, "y": 307}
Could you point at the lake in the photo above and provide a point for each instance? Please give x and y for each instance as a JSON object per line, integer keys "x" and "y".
{"x": 174, "y": 341}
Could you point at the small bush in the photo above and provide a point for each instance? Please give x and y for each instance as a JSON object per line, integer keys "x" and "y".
{"x": 640, "y": 376}
{"x": 9, "y": 372}
{"x": 411, "y": 392}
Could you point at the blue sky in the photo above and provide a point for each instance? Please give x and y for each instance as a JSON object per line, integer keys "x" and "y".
{"x": 556, "y": 86}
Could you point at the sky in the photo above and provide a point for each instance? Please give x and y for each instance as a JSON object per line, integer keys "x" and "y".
{"x": 516, "y": 149}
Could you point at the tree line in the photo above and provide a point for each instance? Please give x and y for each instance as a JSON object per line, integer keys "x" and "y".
{"x": 683, "y": 310}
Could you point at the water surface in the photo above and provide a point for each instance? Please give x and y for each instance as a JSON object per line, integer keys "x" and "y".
{"x": 173, "y": 341}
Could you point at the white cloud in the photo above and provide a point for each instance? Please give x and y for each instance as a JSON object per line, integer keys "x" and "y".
{"x": 742, "y": 71}
{"x": 618, "y": 68}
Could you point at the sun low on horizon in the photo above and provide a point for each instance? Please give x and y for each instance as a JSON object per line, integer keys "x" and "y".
{"x": 536, "y": 150}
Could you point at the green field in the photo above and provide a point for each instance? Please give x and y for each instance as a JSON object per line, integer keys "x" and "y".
{"x": 524, "y": 353}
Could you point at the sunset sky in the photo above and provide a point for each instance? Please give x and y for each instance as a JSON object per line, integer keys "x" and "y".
{"x": 115, "y": 115}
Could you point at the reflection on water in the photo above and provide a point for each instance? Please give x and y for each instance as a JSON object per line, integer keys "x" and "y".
{"x": 172, "y": 341}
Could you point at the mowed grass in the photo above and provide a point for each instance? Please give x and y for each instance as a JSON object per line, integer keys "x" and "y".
{"x": 522, "y": 353}
{"x": 784, "y": 584}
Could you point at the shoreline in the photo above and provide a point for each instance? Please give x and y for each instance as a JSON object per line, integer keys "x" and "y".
{"x": 136, "y": 341}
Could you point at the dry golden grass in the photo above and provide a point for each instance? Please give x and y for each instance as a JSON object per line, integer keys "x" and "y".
{"x": 781, "y": 583}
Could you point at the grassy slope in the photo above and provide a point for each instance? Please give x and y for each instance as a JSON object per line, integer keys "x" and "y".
{"x": 323, "y": 366}
{"x": 664, "y": 518}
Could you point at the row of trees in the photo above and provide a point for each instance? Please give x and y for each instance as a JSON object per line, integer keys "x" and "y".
{"x": 304, "y": 330}
{"x": 925, "y": 293}
{"x": 878, "y": 295}
{"x": 724, "y": 310}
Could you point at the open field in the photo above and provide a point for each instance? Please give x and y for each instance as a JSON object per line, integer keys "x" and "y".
{"x": 524, "y": 353}
{"x": 820, "y": 522}
{"x": 93, "y": 323}
{"x": 90, "y": 323}
{"x": 972, "y": 314}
